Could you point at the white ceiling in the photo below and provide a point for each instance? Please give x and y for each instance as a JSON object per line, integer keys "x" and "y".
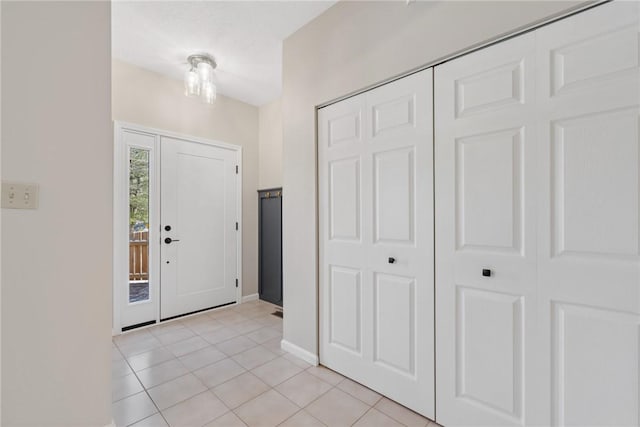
{"x": 245, "y": 38}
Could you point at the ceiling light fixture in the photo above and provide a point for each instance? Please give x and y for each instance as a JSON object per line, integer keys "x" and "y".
{"x": 198, "y": 80}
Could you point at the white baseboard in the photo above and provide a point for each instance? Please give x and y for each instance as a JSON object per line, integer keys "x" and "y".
{"x": 299, "y": 352}
{"x": 248, "y": 298}
{"x": 111, "y": 424}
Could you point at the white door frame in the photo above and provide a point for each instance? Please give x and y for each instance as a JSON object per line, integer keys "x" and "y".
{"x": 120, "y": 213}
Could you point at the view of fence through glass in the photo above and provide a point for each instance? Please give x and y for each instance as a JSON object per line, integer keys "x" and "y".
{"x": 138, "y": 224}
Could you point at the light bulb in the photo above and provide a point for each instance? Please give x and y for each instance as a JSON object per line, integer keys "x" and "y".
{"x": 209, "y": 92}
{"x": 191, "y": 83}
{"x": 205, "y": 72}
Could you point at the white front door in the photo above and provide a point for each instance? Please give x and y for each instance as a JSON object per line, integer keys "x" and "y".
{"x": 376, "y": 234}
{"x": 199, "y": 214}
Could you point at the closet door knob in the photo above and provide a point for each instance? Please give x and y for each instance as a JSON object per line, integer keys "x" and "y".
{"x": 486, "y": 272}
{"x": 392, "y": 260}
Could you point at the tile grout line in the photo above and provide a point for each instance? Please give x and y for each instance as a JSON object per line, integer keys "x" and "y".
{"x": 144, "y": 389}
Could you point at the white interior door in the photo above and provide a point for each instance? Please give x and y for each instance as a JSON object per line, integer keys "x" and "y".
{"x": 376, "y": 234}
{"x": 199, "y": 209}
{"x": 589, "y": 261}
{"x": 486, "y": 303}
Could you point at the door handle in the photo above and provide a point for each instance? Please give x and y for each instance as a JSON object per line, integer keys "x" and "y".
{"x": 486, "y": 272}
{"x": 392, "y": 260}
{"x": 168, "y": 240}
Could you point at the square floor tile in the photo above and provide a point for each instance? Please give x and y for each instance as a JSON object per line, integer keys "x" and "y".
{"x": 196, "y": 411}
{"x": 201, "y": 358}
{"x": 400, "y": 413}
{"x": 141, "y": 345}
{"x": 161, "y": 373}
{"x": 359, "y": 391}
{"x": 167, "y": 327}
{"x": 303, "y": 388}
{"x": 205, "y": 325}
{"x": 264, "y": 334}
{"x": 326, "y": 375}
{"x": 337, "y": 408}
{"x": 276, "y": 371}
{"x": 219, "y": 372}
{"x": 175, "y": 391}
{"x": 133, "y": 408}
{"x": 375, "y": 418}
{"x": 120, "y": 368}
{"x": 125, "y": 386}
{"x": 247, "y": 326}
{"x": 302, "y": 419}
{"x": 152, "y": 421}
{"x": 254, "y": 357}
{"x": 274, "y": 345}
{"x": 240, "y": 389}
{"x": 268, "y": 409}
{"x": 235, "y": 345}
{"x": 150, "y": 358}
{"x": 227, "y": 420}
{"x": 187, "y": 346}
{"x": 175, "y": 336}
{"x": 219, "y": 335}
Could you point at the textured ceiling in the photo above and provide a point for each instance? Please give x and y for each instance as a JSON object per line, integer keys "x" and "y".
{"x": 245, "y": 38}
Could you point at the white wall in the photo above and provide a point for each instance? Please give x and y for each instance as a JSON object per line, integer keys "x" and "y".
{"x": 270, "y": 145}
{"x": 56, "y": 260}
{"x": 349, "y": 47}
{"x": 151, "y": 99}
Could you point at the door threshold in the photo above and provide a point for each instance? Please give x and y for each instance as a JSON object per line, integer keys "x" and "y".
{"x": 197, "y": 311}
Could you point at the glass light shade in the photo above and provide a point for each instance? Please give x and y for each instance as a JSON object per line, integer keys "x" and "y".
{"x": 191, "y": 83}
{"x": 205, "y": 72}
{"x": 209, "y": 92}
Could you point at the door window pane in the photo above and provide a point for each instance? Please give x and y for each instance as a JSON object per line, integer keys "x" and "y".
{"x": 138, "y": 224}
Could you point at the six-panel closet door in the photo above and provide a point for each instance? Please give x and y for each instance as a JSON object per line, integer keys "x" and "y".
{"x": 376, "y": 240}
{"x": 486, "y": 255}
{"x": 537, "y": 166}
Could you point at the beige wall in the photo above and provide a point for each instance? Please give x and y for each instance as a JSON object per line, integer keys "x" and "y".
{"x": 56, "y": 260}
{"x": 150, "y": 99}
{"x": 349, "y": 47}
{"x": 270, "y": 143}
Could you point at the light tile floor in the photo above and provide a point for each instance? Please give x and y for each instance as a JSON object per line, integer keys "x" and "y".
{"x": 226, "y": 368}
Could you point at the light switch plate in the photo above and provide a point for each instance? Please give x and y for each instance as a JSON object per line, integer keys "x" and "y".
{"x": 16, "y": 195}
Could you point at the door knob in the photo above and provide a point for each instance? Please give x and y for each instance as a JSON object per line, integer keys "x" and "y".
{"x": 486, "y": 272}
{"x": 392, "y": 260}
{"x": 168, "y": 240}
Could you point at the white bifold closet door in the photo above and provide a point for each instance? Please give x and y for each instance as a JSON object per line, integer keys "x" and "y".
{"x": 376, "y": 240}
{"x": 537, "y": 181}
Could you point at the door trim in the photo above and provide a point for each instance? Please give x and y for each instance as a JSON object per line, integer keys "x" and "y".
{"x": 120, "y": 201}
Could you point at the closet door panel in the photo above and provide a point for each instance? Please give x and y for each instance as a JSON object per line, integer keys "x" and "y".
{"x": 375, "y": 160}
{"x": 588, "y": 84}
{"x": 485, "y": 152}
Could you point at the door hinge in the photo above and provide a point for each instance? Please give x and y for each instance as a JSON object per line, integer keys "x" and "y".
{"x": 236, "y": 283}
{"x": 236, "y": 169}
{"x": 236, "y": 225}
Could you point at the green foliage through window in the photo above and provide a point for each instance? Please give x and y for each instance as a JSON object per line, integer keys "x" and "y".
{"x": 138, "y": 189}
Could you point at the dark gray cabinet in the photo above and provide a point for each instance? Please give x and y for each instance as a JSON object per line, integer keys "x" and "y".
{"x": 270, "y": 245}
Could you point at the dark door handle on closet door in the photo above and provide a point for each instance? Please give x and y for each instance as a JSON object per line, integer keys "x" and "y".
{"x": 168, "y": 240}
{"x": 392, "y": 260}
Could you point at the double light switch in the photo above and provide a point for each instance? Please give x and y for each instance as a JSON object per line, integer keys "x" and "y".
{"x": 17, "y": 195}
